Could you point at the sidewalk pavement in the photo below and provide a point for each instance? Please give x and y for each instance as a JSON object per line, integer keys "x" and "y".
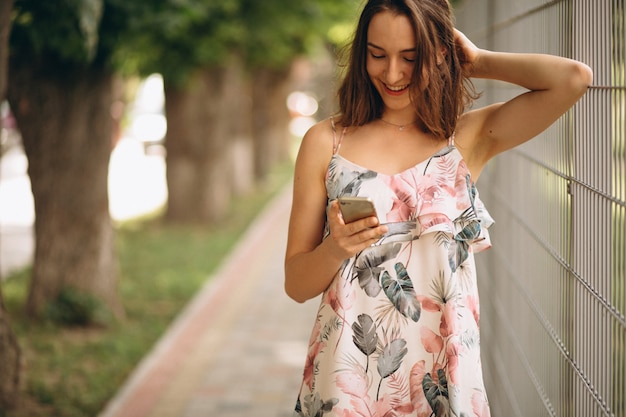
{"x": 239, "y": 347}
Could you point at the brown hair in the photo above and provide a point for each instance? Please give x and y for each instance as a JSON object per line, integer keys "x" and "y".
{"x": 438, "y": 106}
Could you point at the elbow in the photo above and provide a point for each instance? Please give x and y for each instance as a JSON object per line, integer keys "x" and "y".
{"x": 575, "y": 78}
{"x": 293, "y": 294}
{"x": 588, "y": 75}
{"x": 581, "y": 78}
{"x": 292, "y": 289}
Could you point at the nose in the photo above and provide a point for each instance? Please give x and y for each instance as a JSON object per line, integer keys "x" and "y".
{"x": 394, "y": 72}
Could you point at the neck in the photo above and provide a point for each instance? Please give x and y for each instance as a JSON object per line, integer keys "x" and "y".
{"x": 398, "y": 122}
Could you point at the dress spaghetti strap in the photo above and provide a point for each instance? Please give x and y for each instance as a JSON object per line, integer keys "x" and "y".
{"x": 336, "y": 143}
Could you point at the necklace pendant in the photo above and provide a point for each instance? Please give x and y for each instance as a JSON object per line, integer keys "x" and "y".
{"x": 400, "y": 127}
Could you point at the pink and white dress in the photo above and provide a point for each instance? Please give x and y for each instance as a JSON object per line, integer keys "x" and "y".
{"x": 397, "y": 330}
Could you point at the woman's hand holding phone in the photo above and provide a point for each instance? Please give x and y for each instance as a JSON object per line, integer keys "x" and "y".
{"x": 350, "y": 238}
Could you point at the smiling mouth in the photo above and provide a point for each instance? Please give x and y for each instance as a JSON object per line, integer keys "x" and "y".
{"x": 396, "y": 90}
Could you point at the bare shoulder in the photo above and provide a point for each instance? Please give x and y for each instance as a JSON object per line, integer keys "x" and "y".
{"x": 321, "y": 132}
{"x": 317, "y": 143}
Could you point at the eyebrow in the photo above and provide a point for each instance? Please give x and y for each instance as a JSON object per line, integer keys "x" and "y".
{"x": 373, "y": 45}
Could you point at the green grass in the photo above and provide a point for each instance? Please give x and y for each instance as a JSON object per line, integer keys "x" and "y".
{"x": 74, "y": 371}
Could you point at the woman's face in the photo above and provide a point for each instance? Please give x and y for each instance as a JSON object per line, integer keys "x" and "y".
{"x": 391, "y": 52}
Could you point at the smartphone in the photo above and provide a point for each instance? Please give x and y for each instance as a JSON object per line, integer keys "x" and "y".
{"x": 356, "y": 208}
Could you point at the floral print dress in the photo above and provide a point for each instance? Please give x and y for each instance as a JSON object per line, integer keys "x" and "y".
{"x": 397, "y": 332}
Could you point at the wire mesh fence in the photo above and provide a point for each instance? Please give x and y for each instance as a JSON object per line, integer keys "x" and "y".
{"x": 553, "y": 292}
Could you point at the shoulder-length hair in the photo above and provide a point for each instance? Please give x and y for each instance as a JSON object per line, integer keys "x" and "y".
{"x": 447, "y": 91}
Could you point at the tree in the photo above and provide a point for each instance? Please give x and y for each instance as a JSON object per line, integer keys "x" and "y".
{"x": 10, "y": 353}
{"x": 192, "y": 44}
{"x": 61, "y": 68}
{"x": 226, "y": 68}
{"x": 277, "y": 34}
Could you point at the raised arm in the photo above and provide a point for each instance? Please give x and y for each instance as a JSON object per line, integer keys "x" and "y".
{"x": 555, "y": 84}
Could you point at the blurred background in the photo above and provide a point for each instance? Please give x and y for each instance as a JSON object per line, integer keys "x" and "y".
{"x": 140, "y": 139}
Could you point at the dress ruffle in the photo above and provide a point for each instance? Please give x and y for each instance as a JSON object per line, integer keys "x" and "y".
{"x": 436, "y": 195}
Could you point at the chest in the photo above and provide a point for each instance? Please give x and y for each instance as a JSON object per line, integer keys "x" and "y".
{"x": 389, "y": 155}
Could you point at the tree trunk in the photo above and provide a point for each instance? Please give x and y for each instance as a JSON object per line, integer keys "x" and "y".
{"x": 10, "y": 352}
{"x": 200, "y": 140}
{"x": 10, "y": 358}
{"x": 66, "y": 126}
{"x": 5, "y": 29}
{"x": 270, "y": 118}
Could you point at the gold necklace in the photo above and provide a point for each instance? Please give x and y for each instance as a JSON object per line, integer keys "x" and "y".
{"x": 400, "y": 127}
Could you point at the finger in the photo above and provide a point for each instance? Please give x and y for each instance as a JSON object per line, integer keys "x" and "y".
{"x": 359, "y": 226}
{"x": 334, "y": 207}
{"x": 372, "y": 235}
{"x": 379, "y": 232}
{"x": 334, "y": 215}
{"x": 353, "y": 229}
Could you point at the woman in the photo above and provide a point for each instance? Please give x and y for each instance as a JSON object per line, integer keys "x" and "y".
{"x": 397, "y": 329}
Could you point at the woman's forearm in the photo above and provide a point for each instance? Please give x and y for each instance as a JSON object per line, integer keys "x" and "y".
{"x": 309, "y": 274}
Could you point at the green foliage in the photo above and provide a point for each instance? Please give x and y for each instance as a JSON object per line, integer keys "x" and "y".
{"x": 278, "y": 31}
{"x": 60, "y": 31}
{"x": 70, "y": 372}
{"x": 76, "y": 308}
{"x": 174, "y": 37}
{"x": 171, "y": 37}
{"x": 89, "y": 14}
{"x": 65, "y": 34}
{"x": 341, "y": 19}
